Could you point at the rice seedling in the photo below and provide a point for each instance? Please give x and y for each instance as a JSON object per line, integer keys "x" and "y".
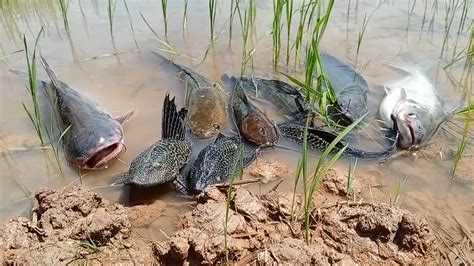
{"x": 398, "y": 190}
{"x": 63, "y": 6}
{"x": 212, "y": 16}
{"x": 327, "y": 159}
{"x": 110, "y": 14}
{"x": 276, "y": 29}
{"x": 185, "y": 14}
{"x": 351, "y": 177}
{"x": 35, "y": 115}
{"x": 365, "y": 22}
{"x": 289, "y": 17}
{"x": 247, "y": 23}
{"x": 304, "y": 19}
{"x": 234, "y": 6}
{"x": 132, "y": 29}
{"x": 5, "y": 57}
{"x": 55, "y": 142}
{"x": 164, "y": 7}
{"x": 167, "y": 47}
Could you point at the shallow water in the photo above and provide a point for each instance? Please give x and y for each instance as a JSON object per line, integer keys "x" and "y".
{"x": 136, "y": 80}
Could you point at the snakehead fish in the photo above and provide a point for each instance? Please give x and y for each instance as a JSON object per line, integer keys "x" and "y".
{"x": 416, "y": 106}
{"x": 254, "y": 126}
{"x": 350, "y": 89}
{"x": 286, "y": 98}
{"x": 204, "y": 102}
{"x": 215, "y": 164}
{"x": 162, "y": 161}
{"x": 94, "y": 138}
{"x": 320, "y": 140}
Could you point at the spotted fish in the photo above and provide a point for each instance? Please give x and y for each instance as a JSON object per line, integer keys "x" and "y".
{"x": 162, "y": 161}
{"x": 320, "y": 140}
{"x": 205, "y": 103}
{"x": 254, "y": 126}
{"x": 93, "y": 138}
{"x": 214, "y": 164}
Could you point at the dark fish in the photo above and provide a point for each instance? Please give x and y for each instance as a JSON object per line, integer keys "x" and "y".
{"x": 215, "y": 164}
{"x": 162, "y": 161}
{"x": 350, "y": 88}
{"x": 320, "y": 140}
{"x": 254, "y": 126}
{"x": 204, "y": 102}
{"x": 286, "y": 98}
{"x": 94, "y": 138}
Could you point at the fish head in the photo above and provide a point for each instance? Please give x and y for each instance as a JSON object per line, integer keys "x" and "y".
{"x": 206, "y": 130}
{"x": 259, "y": 131}
{"x": 95, "y": 147}
{"x": 352, "y": 103}
{"x": 413, "y": 123}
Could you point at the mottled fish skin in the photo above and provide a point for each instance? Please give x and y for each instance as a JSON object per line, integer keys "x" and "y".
{"x": 214, "y": 164}
{"x": 254, "y": 126}
{"x": 94, "y": 139}
{"x": 162, "y": 161}
{"x": 350, "y": 88}
{"x": 286, "y": 98}
{"x": 320, "y": 140}
{"x": 204, "y": 102}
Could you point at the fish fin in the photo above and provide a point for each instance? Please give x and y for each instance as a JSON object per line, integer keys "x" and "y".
{"x": 172, "y": 126}
{"x": 403, "y": 94}
{"x": 125, "y": 118}
{"x": 52, "y": 76}
{"x": 226, "y": 78}
{"x": 181, "y": 184}
{"x": 247, "y": 160}
{"x": 120, "y": 181}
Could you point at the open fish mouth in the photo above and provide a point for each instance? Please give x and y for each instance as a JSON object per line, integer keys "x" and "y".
{"x": 408, "y": 134}
{"x": 103, "y": 156}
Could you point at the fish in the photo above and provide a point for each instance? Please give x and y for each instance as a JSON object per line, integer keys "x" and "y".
{"x": 215, "y": 164}
{"x": 204, "y": 102}
{"x": 415, "y": 106}
{"x": 320, "y": 140}
{"x": 350, "y": 89}
{"x": 288, "y": 99}
{"x": 162, "y": 161}
{"x": 94, "y": 139}
{"x": 253, "y": 125}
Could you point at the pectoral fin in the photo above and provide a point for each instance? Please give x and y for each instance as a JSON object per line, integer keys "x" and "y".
{"x": 124, "y": 118}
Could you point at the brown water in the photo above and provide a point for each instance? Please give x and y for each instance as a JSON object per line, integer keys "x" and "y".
{"x": 135, "y": 80}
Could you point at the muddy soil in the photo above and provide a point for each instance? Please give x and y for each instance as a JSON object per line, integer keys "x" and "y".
{"x": 77, "y": 225}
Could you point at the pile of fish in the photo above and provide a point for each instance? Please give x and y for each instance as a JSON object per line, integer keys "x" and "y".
{"x": 94, "y": 139}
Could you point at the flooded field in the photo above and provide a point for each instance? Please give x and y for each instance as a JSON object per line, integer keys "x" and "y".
{"x": 107, "y": 54}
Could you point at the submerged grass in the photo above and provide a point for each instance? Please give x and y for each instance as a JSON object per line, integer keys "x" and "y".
{"x": 212, "y": 17}
{"x": 278, "y": 6}
{"x": 35, "y": 115}
{"x": 63, "y": 6}
{"x": 289, "y": 18}
{"x": 164, "y": 11}
{"x": 398, "y": 190}
{"x": 246, "y": 24}
{"x": 351, "y": 177}
{"x": 132, "y": 29}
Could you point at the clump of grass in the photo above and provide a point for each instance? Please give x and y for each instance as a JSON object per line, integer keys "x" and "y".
{"x": 35, "y": 115}
{"x": 164, "y": 7}
{"x": 276, "y": 29}
{"x": 63, "y": 6}
{"x": 304, "y": 19}
{"x": 398, "y": 190}
{"x": 89, "y": 244}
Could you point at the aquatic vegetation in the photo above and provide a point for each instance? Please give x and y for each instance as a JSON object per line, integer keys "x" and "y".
{"x": 35, "y": 115}
{"x": 132, "y": 29}
{"x": 247, "y": 24}
{"x": 276, "y": 29}
{"x": 304, "y": 19}
{"x": 325, "y": 162}
{"x": 398, "y": 190}
{"x": 289, "y": 17}
{"x": 63, "y": 5}
{"x": 164, "y": 10}
{"x": 167, "y": 47}
{"x": 351, "y": 177}
{"x": 185, "y": 14}
{"x": 212, "y": 17}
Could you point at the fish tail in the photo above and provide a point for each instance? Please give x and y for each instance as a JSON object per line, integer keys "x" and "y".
{"x": 173, "y": 120}
{"x": 50, "y": 72}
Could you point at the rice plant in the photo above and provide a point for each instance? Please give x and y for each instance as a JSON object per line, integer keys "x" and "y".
{"x": 35, "y": 115}
{"x": 164, "y": 10}
{"x": 325, "y": 162}
{"x": 247, "y": 23}
{"x": 63, "y": 6}
{"x": 304, "y": 19}
{"x": 276, "y": 29}
{"x": 212, "y": 16}
{"x": 398, "y": 190}
{"x": 234, "y": 6}
{"x": 289, "y": 17}
{"x": 110, "y": 12}
{"x": 351, "y": 177}
{"x": 55, "y": 142}
{"x": 132, "y": 29}
{"x": 185, "y": 15}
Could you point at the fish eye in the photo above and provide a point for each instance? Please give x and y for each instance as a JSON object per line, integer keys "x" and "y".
{"x": 262, "y": 131}
{"x": 216, "y": 126}
{"x": 411, "y": 115}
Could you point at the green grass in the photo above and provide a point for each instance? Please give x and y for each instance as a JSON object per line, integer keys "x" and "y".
{"x": 132, "y": 29}
{"x": 351, "y": 178}
{"x": 35, "y": 115}
{"x": 246, "y": 24}
{"x": 398, "y": 190}
{"x": 164, "y": 11}
{"x": 289, "y": 18}
{"x": 63, "y": 6}
{"x": 212, "y": 17}
{"x": 185, "y": 15}
{"x": 278, "y": 6}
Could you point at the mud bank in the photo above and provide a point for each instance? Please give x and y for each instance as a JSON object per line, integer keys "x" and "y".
{"x": 75, "y": 224}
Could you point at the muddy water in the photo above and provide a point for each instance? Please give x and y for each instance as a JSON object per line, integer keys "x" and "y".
{"x": 135, "y": 80}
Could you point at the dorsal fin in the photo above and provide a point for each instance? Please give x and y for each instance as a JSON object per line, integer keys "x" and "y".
{"x": 50, "y": 72}
{"x": 172, "y": 120}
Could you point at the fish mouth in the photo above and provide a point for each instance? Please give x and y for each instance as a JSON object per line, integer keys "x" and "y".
{"x": 103, "y": 156}
{"x": 408, "y": 133}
